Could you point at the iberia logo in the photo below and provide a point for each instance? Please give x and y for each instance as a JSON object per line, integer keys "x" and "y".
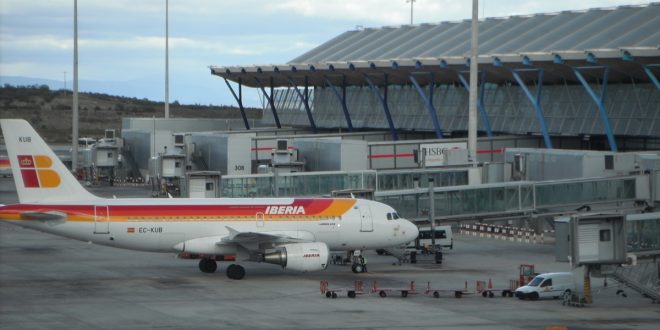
{"x": 37, "y": 173}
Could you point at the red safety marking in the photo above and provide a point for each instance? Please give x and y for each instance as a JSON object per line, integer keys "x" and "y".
{"x": 391, "y": 155}
{"x": 269, "y": 149}
{"x": 494, "y": 151}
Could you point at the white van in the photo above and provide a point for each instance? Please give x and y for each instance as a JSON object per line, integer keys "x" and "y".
{"x": 443, "y": 237}
{"x": 549, "y": 285}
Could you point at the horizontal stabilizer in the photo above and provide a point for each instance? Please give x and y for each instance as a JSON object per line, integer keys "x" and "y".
{"x": 43, "y": 216}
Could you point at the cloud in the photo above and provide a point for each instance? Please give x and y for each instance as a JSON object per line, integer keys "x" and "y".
{"x": 124, "y": 39}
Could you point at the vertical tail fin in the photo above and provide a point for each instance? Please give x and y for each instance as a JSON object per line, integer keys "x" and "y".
{"x": 39, "y": 175}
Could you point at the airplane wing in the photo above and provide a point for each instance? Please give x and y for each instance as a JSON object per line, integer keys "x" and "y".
{"x": 249, "y": 237}
{"x": 43, "y": 216}
{"x": 249, "y": 244}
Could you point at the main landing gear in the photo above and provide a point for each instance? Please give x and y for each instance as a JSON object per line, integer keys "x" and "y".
{"x": 235, "y": 272}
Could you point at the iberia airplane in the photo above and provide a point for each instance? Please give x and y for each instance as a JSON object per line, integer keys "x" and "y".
{"x": 295, "y": 233}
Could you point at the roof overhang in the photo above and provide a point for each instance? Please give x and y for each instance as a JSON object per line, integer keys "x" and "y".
{"x": 624, "y": 64}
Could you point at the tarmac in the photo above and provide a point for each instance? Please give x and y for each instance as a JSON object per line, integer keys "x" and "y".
{"x": 49, "y": 282}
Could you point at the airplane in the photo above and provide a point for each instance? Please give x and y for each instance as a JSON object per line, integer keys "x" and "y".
{"x": 295, "y": 233}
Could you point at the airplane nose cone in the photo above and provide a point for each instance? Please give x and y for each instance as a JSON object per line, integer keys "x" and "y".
{"x": 411, "y": 231}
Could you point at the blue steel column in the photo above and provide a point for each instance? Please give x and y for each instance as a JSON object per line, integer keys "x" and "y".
{"x": 239, "y": 100}
{"x": 383, "y": 101}
{"x": 536, "y": 101}
{"x": 429, "y": 102}
{"x": 271, "y": 101}
{"x": 480, "y": 100}
{"x": 305, "y": 102}
{"x": 342, "y": 100}
{"x": 654, "y": 79}
{"x": 599, "y": 99}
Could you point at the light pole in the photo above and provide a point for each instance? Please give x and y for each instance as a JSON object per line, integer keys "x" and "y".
{"x": 412, "y": 2}
{"x": 472, "y": 111}
{"x": 74, "y": 134}
{"x": 167, "y": 60}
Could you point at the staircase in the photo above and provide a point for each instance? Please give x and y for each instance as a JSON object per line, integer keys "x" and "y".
{"x": 399, "y": 253}
{"x": 642, "y": 278}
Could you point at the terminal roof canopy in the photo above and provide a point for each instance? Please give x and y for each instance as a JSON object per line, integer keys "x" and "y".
{"x": 621, "y": 37}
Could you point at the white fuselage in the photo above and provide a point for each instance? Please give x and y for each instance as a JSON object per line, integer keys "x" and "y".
{"x": 362, "y": 225}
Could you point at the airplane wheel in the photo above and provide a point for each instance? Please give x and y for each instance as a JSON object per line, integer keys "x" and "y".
{"x": 491, "y": 294}
{"x": 235, "y": 272}
{"x": 353, "y": 268}
{"x": 328, "y": 294}
{"x": 436, "y": 294}
{"x": 351, "y": 294}
{"x": 382, "y": 294}
{"x": 334, "y": 295}
{"x": 207, "y": 265}
{"x": 404, "y": 294}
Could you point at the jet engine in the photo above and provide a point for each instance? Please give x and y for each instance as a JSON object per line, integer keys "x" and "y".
{"x": 302, "y": 257}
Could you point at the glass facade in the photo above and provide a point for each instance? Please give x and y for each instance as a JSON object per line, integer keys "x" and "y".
{"x": 323, "y": 183}
{"x": 461, "y": 202}
{"x": 453, "y": 198}
{"x": 585, "y": 191}
{"x": 643, "y": 232}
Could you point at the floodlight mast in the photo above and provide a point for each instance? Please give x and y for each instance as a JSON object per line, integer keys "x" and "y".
{"x": 167, "y": 59}
{"x": 472, "y": 111}
{"x": 74, "y": 110}
{"x": 411, "y": 9}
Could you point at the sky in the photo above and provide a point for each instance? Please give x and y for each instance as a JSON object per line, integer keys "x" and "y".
{"x": 122, "y": 42}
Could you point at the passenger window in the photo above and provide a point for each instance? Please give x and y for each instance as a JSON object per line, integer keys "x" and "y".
{"x": 547, "y": 282}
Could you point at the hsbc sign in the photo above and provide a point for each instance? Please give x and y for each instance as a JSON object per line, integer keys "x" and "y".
{"x": 435, "y": 154}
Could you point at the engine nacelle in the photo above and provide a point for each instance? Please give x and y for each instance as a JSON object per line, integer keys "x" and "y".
{"x": 302, "y": 257}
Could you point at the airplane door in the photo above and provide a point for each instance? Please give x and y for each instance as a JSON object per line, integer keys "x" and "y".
{"x": 367, "y": 223}
{"x": 101, "y": 220}
{"x": 260, "y": 219}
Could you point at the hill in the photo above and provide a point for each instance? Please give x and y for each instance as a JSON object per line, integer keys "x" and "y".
{"x": 49, "y": 111}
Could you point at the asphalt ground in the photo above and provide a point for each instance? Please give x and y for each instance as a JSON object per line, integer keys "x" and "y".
{"x": 49, "y": 282}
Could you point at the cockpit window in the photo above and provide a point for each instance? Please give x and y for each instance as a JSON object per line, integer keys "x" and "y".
{"x": 389, "y": 216}
{"x": 395, "y": 215}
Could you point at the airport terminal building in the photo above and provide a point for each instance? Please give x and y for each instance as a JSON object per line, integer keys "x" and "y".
{"x": 590, "y": 74}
